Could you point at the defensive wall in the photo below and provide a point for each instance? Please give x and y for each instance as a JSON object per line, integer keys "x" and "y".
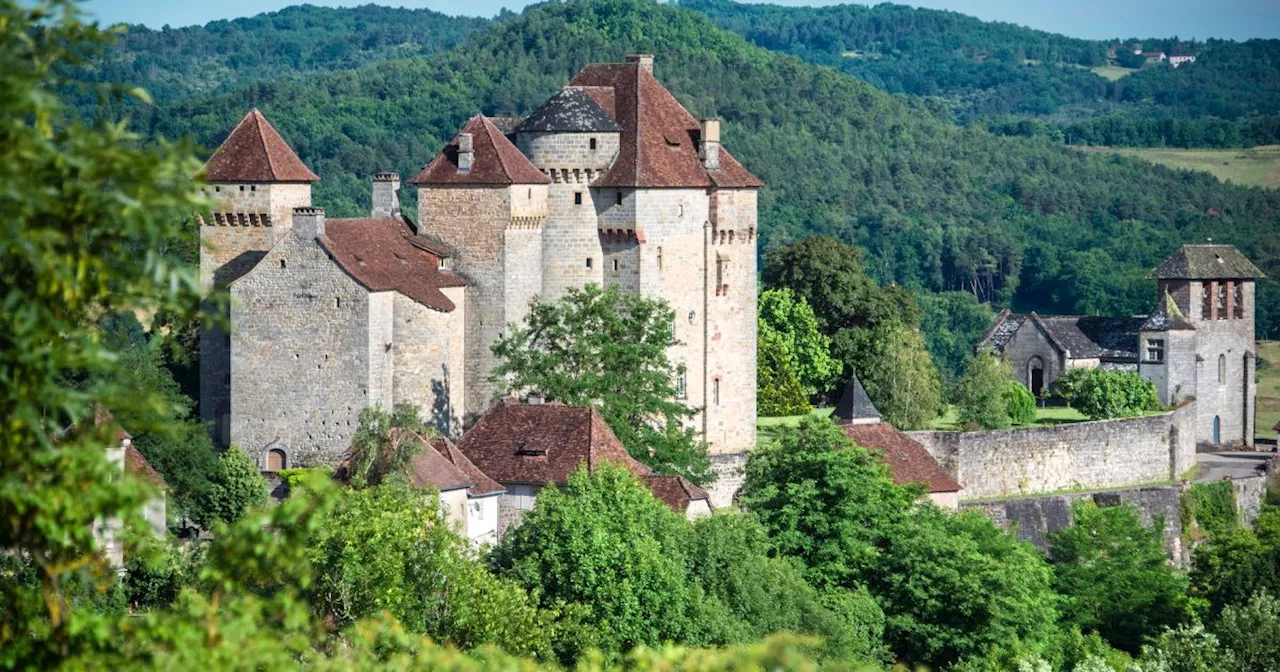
{"x": 1073, "y": 456}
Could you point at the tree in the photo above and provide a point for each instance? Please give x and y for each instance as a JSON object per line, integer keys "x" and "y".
{"x": 896, "y": 370}
{"x": 791, "y": 320}
{"x": 1252, "y": 632}
{"x": 390, "y": 548}
{"x": 238, "y": 488}
{"x": 1101, "y": 394}
{"x": 980, "y": 392}
{"x": 385, "y": 444}
{"x": 1115, "y": 577}
{"x": 953, "y": 322}
{"x": 778, "y": 391}
{"x": 1187, "y": 648}
{"x": 1020, "y": 405}
{"x": 611, "y": 558}
{"x": 608, "y": 349}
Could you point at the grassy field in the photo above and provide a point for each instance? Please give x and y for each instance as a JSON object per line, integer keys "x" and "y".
{"x": 1112, "y": 72}
{"x": 1268, "y": 390}
{"x": 1259, "y": 167}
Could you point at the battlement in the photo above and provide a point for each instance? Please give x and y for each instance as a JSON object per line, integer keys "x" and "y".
{"x": 238, "y": 219}
{"x": 526, "y": 222}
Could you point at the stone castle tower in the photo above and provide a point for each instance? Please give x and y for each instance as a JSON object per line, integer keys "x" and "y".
{"x": 256, "y": 181}
{"x": 1199, "y": 341}
{"x": 610, "y": 182}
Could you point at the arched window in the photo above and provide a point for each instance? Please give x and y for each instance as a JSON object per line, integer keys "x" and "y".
{"x": 276, "y": 460}
{"x": 1222, "y": 369}
{"x": 1217, "y": 430}
{"x": 1035, "y": 374}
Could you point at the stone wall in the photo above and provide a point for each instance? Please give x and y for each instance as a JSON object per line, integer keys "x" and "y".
{"x": 1249, "y": 493}
{"x": 730, "y": 470}
{"x": 429, "y": 360}
{"x": 1083, "y": 455}
{"x": 1035, "y": 518}
{"x": 730, "y": 333}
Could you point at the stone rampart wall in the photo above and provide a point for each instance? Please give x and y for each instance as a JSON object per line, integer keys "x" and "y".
{"x": 730, "y": 469}
{"x": 1083, "y": 455}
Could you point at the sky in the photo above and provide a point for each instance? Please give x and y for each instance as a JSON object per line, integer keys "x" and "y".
{"x": 1095, "y": 19}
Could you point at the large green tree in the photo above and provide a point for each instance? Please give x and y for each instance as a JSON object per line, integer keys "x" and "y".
{"x": 608, "y": 349}
{"x": 981, "y": 392}
{"x": 792, "y": 321}
{"x": 778, "y": 390}
{"x": 896, "y": 370}
{"x": 1115, "y": 577}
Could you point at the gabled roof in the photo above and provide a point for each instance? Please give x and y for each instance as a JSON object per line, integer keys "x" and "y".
{"x": 255, "y": 152}
{"x": 542, "y": 443}
{"x": 571, "y": 110}
{"x": 1206, "y": 262}
{"x": 381, "y": 254}
{"x": 481, "y": 484}
{"x": 907, "y": 459}
{"x": 675, "y": 491}
{"x": 1083, "y": 336}
{"x": 659, "y": 138}
{"x": 854, "y": 404}
{"x": 430, "y": 468}
{"x": 496, "y": 161}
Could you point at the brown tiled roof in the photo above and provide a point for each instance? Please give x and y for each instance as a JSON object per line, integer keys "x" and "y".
{"x": 380, "y": 254}
{"x": 907, "y": 459}
{"x": 676, "y": 492}
{"x": 430, "y": 468}
{"x": 542, "y": 443}
{"x": 659, "y": 138}
{"x": 496, "y": 160}
{"x": 481, "y": 484}
{"x": 255, "y": 152}
{"x": 136, "y": 465}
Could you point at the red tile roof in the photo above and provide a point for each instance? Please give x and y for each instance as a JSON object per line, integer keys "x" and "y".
{"x": 908, "y": 460}
{"x": 676, "y": 492}
{"x": 496, "y": 161}
{"x": 481, "y": 484}
{"x": 381, "y": 254}
{"x": 659, "y": 137}
{"x": 255, "y": 152}
{"x": 136, "y": 465}
{"x": 542, "y": 443}
{"x": 430, "y": 468}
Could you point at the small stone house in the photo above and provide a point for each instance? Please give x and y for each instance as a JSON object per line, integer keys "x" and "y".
{"x": 909, "y": 461}
{"x": 525, "y": 447}
{"x": 109, "y": 533}
{"x": 468, "y": 497}
{"x": 1043, "y": 347}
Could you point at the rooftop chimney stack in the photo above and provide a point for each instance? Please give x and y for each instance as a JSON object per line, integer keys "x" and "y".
{"x": 386, "y": 199}
{"x": 645, "y": 61}
{"x": 710, "y": 149}
{"x": 466, "y": 153}
{"x": 308, "y": 221}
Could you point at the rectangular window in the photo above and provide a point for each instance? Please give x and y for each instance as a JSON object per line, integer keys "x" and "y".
{"x": 680, "y": 210}
{"x": 720, "y": 264}
{"x": 682, "y": 388}
{"x": 659, "y": 257}
{"x": 577, "y": 198}
{"x": 588, "y": 262}
{"x": 592, "y": 144}
{"x": 1155, "y": 350}
{"x": 1222, "y": 301}
{"x": 619, "y": 198}
{"x": 715, "y": 391}
{"x": 615, "y": 265}
{"x": 1206, "y": 301}
{"x": 1237, "y": 308}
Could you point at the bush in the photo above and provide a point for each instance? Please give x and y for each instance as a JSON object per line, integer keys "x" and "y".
{"x": 1101, "y": 394}
{"x": 1020, "y": 403}
{"x": 239, "y": 486}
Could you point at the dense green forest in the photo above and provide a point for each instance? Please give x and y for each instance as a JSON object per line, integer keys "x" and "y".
{"x": 1014, "y": 221}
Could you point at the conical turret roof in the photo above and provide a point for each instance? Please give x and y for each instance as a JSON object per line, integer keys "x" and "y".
{"x": 255, "y": 152}
{"x": 855, "y": 405}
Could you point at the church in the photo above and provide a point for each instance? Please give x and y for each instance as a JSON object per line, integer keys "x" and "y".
{"x": 1197, "y": 344}
{"x": 610, "y": 182}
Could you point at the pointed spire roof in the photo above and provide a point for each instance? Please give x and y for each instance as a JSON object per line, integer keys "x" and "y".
{"x": 855, "y": 406}
{"x": 255, "y": 152}
{"x": 496, "y": 161}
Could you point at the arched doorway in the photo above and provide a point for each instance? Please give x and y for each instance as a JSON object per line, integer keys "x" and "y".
{"x": 1035, "y": 375}
{"x": 276, "y": 460}
{"x": 1217, "y": 430}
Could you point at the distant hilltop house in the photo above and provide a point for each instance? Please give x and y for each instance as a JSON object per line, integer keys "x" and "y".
{"x": 1153, "y": 56}
{"x": 1178, "y": 59}
{"x": 610, "y": 182}
{"x": 1197, "y": 344}
{"x": 908, "y": 460}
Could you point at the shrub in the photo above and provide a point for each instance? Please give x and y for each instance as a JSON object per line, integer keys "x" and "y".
{"x": 1020, "y": 403}
{"x": 1101, "y": 394}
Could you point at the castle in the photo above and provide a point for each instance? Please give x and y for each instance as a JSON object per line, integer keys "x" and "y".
{"x": 1198, "y": 343}
{"x": 610, "y": 182}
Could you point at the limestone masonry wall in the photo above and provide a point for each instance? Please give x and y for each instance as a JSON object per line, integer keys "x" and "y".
{"x": 730, "y": 470}
{"x": 1104, "y": 454}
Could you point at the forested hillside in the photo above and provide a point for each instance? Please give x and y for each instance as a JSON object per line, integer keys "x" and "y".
{"x": 223, "y": 55}
{"x": 938, "y": 207}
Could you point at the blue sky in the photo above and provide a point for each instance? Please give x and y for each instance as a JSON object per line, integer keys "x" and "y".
{"x": 1235, "y": 19}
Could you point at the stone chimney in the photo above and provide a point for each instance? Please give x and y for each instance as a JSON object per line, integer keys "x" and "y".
{"x": 466, "y": 152}
{"x": 709, "y": 152}
{"x": 645, "y": 61}
{"x": 386, "y": 199}
{"x": 308, "y": 221}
